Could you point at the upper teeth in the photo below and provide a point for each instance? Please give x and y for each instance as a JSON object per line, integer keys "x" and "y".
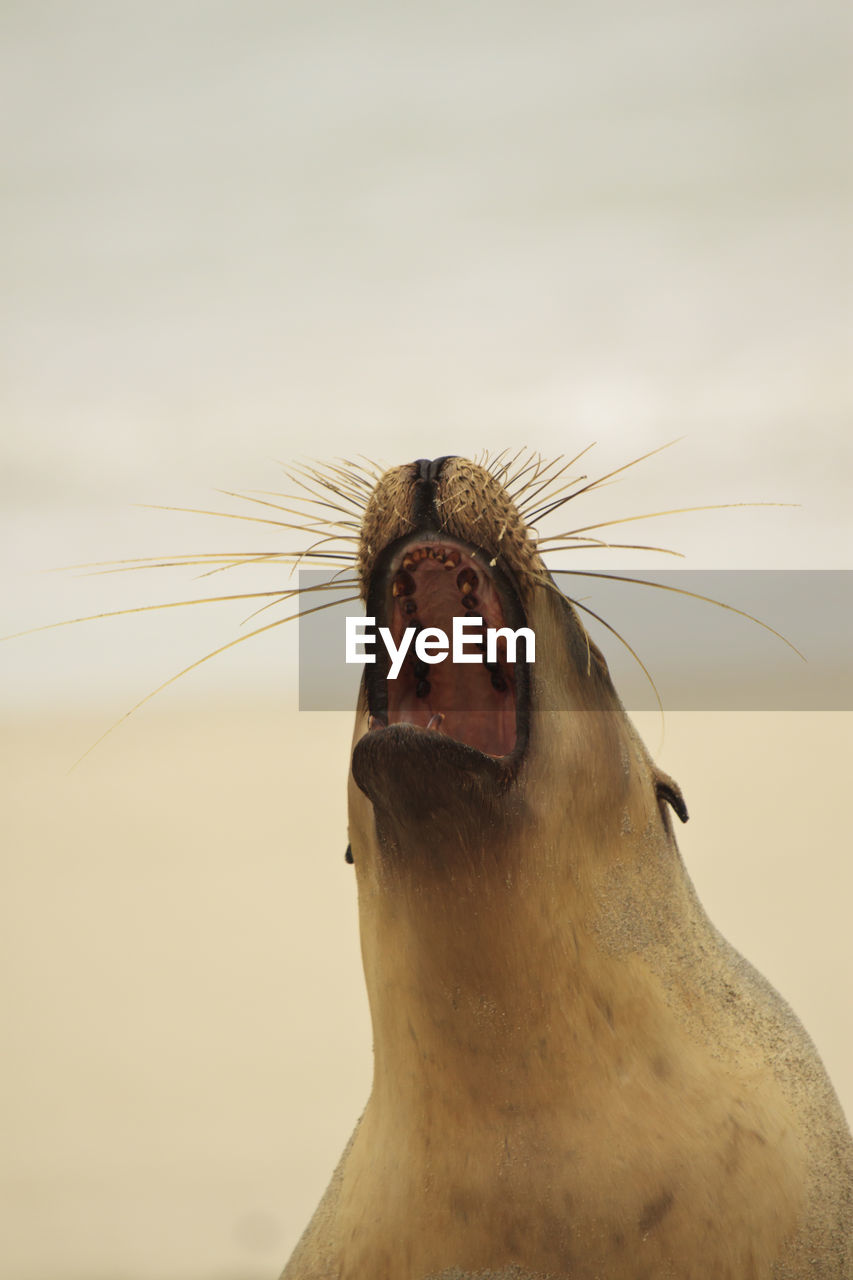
{"x": 403, "y": 585}
{"x": 467, "y": 580}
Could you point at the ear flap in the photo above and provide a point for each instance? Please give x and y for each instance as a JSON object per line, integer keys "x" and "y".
{"x": 668, "y": 789}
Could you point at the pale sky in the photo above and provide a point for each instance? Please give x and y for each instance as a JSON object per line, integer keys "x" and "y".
{"x": 240, "y": 236}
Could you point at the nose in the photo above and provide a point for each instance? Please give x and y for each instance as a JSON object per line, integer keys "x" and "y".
{"x": 429, "y": 469}
{"x": 424, "y": 514}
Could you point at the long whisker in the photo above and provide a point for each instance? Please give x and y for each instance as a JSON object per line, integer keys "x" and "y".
{"x": 155, "y": 562}
{"x": 595, "y": 484}
{"x": 325, "y": 469}
{"x": 341, "y": 475}
{"x": 286, "y": 595}
{"x": 309, "y": 482}
{"x": 318, "y": 491}
{"x": 547, "y": 486}
{"x": 330, "y": 559}
{"x": 577, "y": 604}
{"x": 311, "y": 551}
{"x": 350, "y": 471}
{"x": 334, "y": 475}
{"x": 493, "y": 465}
{"x": 505, "y": 475}
{"x": 279, "y": 622}
{"x": 591, "y": 544}
{"x": 375, "y": 471}
{"x": 651, "y": 515}
{"x": 539, "y": 470}
{"x": 347, "y": 479}
{"x": 224, "y": 515}
{"x": 345, "y": 523}
{"x": 223, "y": 560}
{"x": 309, "y": 520}
{"x": 152, "y": 608}
{"x": 530, "y": 462}
{"x": 682, "y": 591}
{"x": 525, "y": 506}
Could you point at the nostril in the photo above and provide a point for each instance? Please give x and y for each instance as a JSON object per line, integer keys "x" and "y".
{"x": 436, "y": 465}
{"x": 429, "y": 469}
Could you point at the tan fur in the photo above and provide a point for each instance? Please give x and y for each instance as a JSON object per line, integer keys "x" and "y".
{"x": 576, "y": 1078}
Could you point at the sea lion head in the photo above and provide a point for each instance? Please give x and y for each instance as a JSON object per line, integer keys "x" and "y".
{"x": 464, "y": 763}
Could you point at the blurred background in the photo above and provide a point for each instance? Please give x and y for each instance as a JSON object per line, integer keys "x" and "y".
{"x": 236, "y": 236}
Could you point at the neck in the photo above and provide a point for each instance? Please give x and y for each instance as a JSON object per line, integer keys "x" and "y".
{"x": 501, "y": 980}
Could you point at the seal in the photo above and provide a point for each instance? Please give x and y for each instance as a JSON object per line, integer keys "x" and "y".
{"x": 575, "y": 1076}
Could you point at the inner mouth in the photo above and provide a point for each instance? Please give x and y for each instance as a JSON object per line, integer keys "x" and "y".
{"x": 425, "y": 582}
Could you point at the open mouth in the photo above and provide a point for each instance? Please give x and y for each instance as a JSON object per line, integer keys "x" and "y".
{"x": 477, "y": 694}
